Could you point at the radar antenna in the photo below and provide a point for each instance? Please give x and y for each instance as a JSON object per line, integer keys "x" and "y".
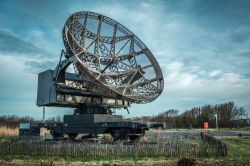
{"x": 113, "y": 68}
{"x": 113, "y": 56}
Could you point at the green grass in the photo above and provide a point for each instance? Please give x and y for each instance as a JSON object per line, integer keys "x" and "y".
{"x": 142, "y": 161}
{"x": 27, "y": 160}
{"x": 239, "y": 148}
{"x": 239, "y": 154}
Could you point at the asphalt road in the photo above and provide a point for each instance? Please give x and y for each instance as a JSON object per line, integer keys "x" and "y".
{"x": 230, "y": 133}
{"x": 174, "y": 133}
{"x": 196, "y": 133}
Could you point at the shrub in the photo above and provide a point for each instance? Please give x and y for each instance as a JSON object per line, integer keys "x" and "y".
{"x": 187, "y": 161}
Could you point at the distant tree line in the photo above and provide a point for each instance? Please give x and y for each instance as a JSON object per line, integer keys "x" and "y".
{"x": 229, "y": 115}
{"x": 13, "y": 121}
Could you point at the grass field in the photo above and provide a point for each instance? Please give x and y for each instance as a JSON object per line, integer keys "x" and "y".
{"x": 239, "y": 154}
{"x": 141, "y": 161}
{"x": 239, "y": 148}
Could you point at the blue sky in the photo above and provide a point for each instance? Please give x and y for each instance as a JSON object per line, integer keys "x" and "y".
{"x": 203, "y": 48}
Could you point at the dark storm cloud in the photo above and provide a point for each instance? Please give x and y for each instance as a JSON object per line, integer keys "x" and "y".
{"x": 28, "y": 13}
{"x": 13, "y": 44}
{"x": 214, "y": 14}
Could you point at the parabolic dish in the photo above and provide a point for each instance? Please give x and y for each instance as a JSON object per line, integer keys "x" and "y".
{"x": 113, "y": 56}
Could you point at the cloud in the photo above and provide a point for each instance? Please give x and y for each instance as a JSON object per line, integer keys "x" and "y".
{"x": 181, "y": 84}
{"x": 35, "y": 66}
{"x": 16, "y": 81}
{"x": 10, "y": 43}
{"x": 44, "y": 40}
{"x": 178, "y": 36}
{"x": 34, "y": 58}
{"x": 214, "y": 73}
{"x": 202, "y": 47}
{"x": 19, "y": 89}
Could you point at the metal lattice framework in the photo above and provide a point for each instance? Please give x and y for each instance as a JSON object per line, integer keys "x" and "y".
{"x": 112, "y": 56}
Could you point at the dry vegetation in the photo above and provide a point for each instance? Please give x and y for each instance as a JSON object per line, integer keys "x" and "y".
{"x": 5, "y": 131}
{"x": 164, "y": 147}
